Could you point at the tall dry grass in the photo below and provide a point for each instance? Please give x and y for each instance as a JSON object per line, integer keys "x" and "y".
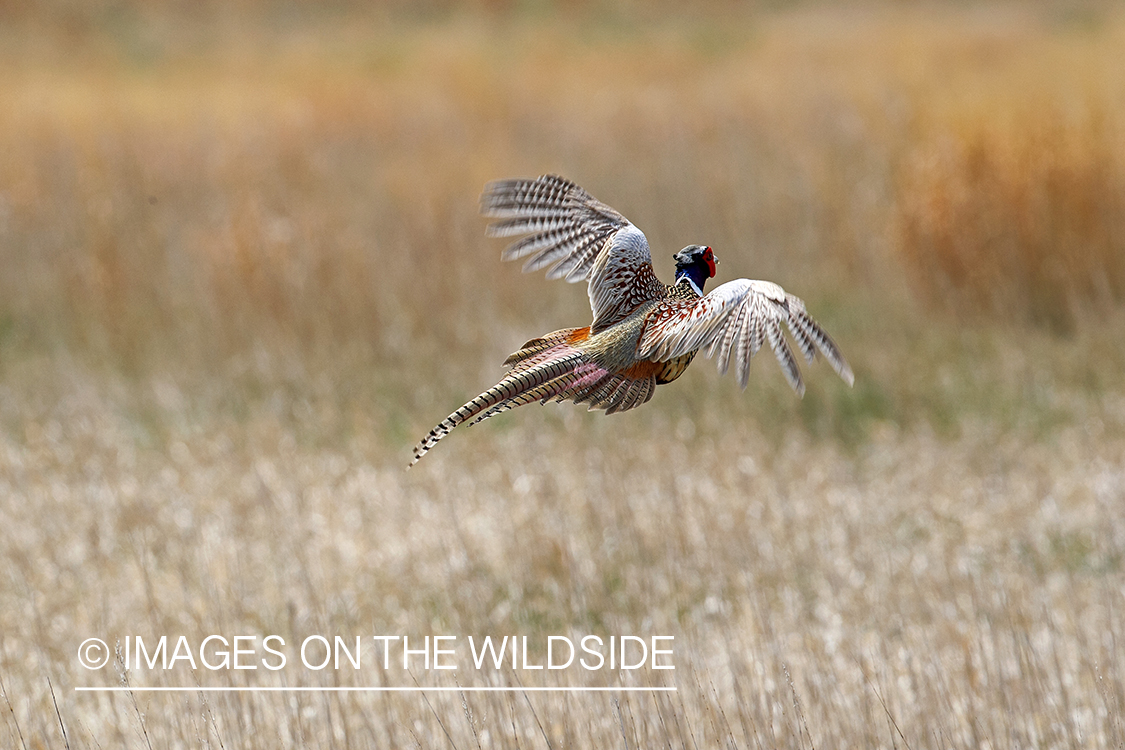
{"x": 1020, "y": 220}
{"x": 243, "y": 272}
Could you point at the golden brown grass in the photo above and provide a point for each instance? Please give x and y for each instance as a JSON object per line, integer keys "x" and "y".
{"x": 242, "y": 274}
{"x": 1022, "y": 220}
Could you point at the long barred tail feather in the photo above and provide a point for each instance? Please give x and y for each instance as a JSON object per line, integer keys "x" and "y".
{"x": 512, "y": 386}
{"x": 554, "y": 388}
{"x": 548, "y": 368}
{"x": 542, "y": 394}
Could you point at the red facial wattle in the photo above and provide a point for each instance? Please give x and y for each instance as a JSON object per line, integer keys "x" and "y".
{"x": 709, "y": 258}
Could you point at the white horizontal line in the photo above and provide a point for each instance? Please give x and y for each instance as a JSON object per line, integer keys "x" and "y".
{"x": 271, "y": 689}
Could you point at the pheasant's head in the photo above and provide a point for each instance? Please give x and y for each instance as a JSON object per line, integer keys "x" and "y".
{"x": 696, "y": 263}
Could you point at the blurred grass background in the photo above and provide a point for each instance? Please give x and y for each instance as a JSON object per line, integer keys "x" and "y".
{"x": 241, "y": 272}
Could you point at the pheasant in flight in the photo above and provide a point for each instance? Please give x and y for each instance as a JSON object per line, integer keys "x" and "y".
{"x": 644, "y": 333}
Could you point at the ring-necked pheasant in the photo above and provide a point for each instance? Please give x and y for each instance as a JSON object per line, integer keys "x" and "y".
{"x": 644, "y": 333}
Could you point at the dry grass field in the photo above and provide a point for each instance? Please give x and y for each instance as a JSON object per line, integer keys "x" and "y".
{"x": 241, "y": 273}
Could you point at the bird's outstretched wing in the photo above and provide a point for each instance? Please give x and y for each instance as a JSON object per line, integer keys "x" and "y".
{"x": 575, "y": 237}
{"x": 733, "y": 321}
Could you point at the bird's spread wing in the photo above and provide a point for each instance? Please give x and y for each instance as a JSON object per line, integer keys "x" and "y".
{"x": 575, "y": 237}
{"x": 733, "y": 321}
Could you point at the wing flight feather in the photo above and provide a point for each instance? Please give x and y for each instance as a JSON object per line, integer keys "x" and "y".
{"x": 733, "y": 322}
{"x": 575, "y": 237}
